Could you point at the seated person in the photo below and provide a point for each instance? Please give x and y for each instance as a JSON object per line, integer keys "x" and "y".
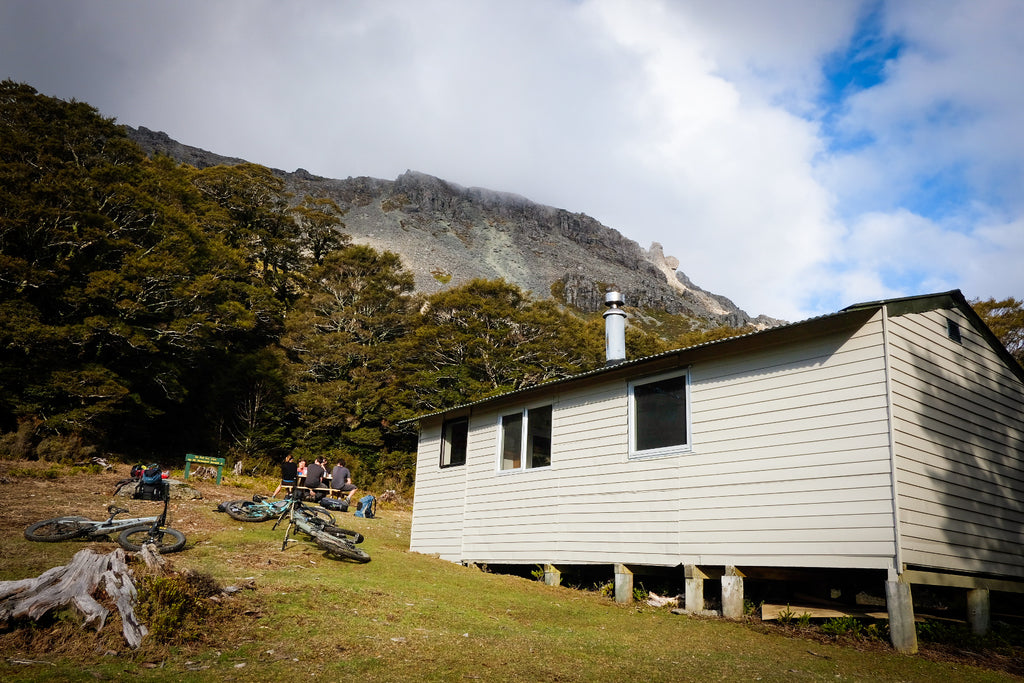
{"x": 314, "y": 477}
{"x": 341, "y": 480}
{"x": 289, "y": 474}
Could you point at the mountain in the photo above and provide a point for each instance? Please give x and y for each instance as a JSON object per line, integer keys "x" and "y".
{"x": 447, "y": 235}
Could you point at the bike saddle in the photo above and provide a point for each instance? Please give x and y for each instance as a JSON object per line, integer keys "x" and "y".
{"x": 114, "y": 510}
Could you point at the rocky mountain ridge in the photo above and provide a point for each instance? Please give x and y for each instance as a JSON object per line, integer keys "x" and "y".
{"x": 447, "y": 235}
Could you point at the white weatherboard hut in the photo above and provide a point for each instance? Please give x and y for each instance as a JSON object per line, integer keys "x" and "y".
{"x": 885, "y": 437}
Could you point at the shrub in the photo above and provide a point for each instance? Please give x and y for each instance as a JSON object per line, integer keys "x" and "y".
{"x": 174, "y": 607}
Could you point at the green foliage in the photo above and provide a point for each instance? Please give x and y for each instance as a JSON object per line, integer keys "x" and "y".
{"x": 788, "y": 617}
{"x": 488, "y": 337}
{"x": 1006, "y": 320}
{"x": 114, "y": 290}
{"x": 174, "y": 607}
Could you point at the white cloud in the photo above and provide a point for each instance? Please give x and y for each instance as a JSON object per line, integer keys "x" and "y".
{"x": 694, "y": 123}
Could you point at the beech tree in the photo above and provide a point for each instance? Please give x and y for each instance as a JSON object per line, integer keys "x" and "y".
{"x": 111, "y": 291}
{"x": 319, "y": 222}
{"x": 1006, "y": 320}
{"x": 254, "y": 217}
{"x": 340, "y": 344}
{"x": 488, "y": 337}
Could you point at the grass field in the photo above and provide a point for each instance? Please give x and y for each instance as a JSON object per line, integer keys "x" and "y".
{"x": 402, "y": 617}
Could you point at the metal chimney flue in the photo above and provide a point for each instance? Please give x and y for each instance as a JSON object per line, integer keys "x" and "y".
{"x": 614, "y": 328}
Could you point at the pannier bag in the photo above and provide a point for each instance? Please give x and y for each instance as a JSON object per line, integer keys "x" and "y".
{"x": 367, "y": 507}
{"x": 336, "y": 504}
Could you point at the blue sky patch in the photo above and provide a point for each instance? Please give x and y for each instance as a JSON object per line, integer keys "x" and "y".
{"x": 858, "y": 67}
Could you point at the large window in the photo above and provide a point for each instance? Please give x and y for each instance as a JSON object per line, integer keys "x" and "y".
{"x": 525, "y": 439}
{"x": 659, "y": 415}
{"x": 454, "y": 437}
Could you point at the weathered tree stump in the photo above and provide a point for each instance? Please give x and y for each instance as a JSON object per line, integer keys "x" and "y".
{"x": 74, "y": 584}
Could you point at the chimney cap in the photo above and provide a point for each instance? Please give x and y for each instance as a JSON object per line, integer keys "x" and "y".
{"x": 613, "y": 298}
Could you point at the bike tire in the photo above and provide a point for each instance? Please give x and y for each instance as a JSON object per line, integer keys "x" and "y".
{"x": 248, "y": 511}
{"x": 133, "y": 538}
{"x": 334, "y": 546}
{"x": 319, "y": 515}
{"x": 57, "y": 529}
{"x": 343, "y": 534}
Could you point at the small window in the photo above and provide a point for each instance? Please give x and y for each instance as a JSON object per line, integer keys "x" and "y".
{"x": 455, "y": 436}
{"x": 525, "y": 439}
{"x": 953, "y": 330}
{"x": 659, "y": 415}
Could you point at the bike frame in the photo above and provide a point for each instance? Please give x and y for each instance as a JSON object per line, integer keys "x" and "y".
{"x": 113, "y": 526}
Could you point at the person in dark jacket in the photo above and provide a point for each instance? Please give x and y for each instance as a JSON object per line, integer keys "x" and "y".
{"x": 315, "y": 475}
{"x": 289, "y": 474}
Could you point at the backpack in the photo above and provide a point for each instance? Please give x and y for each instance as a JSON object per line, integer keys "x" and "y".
{"x": 336, "y": 504}
{"x": 152, "y": 475}
{"x": 137, "y": 471}
{"x": 367, "y": 507}
{"x": 151, "y": 486}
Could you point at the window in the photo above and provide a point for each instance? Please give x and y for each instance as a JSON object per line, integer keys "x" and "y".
{"x": 953, "y": 331}
{"x": 525, "y": 439}
{"x": 454, "y": 437}
{"x": 659, "y": 416}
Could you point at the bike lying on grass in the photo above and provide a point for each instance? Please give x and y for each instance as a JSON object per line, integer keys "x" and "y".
{"x": 261, "y": 509}
{"x": 132, "y": 532}
{"x": 335, "y": 540}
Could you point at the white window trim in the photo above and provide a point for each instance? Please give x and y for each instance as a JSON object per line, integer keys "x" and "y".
{"x": 634, "y": 454}
{"x": 523, "y": 439}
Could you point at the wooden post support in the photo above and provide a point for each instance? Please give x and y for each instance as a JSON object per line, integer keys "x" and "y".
{"x": 694, "y": 588}
{"x": 979, "y": 611}
{"x": 552, "y": 575}
{"x": 623, "y": 584}
{"x": 193, "y": 459}
{"x": 900, "y": 604}
{"x": 732, "y": 593}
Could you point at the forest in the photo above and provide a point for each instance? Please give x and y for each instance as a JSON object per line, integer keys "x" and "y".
{"x": 150, "y": 309}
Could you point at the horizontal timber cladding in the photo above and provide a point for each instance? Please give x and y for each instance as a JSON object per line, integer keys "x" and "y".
{"x": 439, "y": 498}
{"x": 959, "y": 439}
{"x": 789, "y": 466}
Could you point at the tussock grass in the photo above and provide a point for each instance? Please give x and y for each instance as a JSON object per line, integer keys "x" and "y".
{"x": 402, "y": 617}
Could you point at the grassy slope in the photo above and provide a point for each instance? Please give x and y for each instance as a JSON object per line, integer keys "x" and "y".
{"x": 402, "y": 617}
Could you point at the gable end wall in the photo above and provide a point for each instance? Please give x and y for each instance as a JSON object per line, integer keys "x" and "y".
{"x": 959, "y": 443}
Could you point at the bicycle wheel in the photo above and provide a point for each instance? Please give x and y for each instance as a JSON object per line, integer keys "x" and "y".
{"x": 248, "y": 511}
{"x": 335, "y": 546}
{"x": 343, "y": 534}
{"x": 57, "y": 529}
{"x": 167, "y": 540}
{"x": 319, "y": 515}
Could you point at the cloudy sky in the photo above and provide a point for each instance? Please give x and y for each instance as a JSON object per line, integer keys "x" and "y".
{"x": 796, "y": 156}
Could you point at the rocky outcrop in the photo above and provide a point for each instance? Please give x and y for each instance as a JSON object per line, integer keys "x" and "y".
{"x": 447, "y": 235}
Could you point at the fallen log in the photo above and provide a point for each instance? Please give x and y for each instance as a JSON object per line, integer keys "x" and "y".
{"x": 74, "y": 584}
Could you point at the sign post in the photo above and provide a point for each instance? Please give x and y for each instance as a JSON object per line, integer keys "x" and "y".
{"x": 193, "y": 459}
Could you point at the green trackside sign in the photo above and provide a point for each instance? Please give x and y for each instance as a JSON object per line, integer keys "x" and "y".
{"x": 193, "y": 459}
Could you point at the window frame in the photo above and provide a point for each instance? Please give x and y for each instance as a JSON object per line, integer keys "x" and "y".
{"x": 525, "y": 438}
{"x": 633, "y": 452}
{"x": 447, "y": 442}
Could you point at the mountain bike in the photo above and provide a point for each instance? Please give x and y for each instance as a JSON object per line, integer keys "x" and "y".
{"x": 261, "y": 509}
{"x": 132, "y": 532}
{"x": 333, "y": 539}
